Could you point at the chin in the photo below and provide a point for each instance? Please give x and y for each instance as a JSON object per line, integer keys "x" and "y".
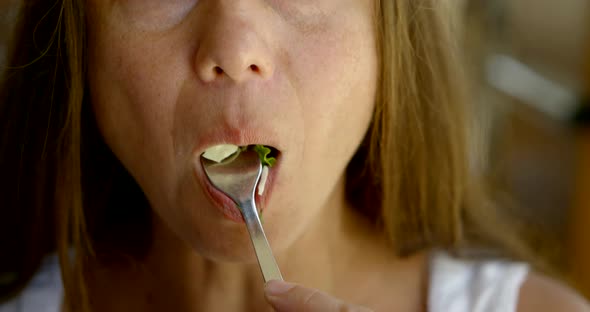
{"x": 230, "y": 242}
{"x": 225, "y": 244}
{"x": 196, "y": 222}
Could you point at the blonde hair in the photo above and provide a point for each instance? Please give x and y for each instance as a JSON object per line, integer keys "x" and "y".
{"x": 411, "y": 172}
{"x": 418, "y": 136}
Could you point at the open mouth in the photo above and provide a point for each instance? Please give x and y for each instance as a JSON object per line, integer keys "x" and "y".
{"x": 226, "y": 153}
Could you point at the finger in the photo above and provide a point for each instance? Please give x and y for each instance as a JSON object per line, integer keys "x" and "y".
{"x": 287, "y": 297}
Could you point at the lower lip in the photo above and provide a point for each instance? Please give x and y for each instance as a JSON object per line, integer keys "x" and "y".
{"x": 228, "y": 208}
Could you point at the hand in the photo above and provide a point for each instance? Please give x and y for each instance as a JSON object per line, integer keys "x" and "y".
{"x": 287, "y": 297}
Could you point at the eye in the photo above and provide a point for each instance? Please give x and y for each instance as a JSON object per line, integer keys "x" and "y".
{"x": 156, "y": 14}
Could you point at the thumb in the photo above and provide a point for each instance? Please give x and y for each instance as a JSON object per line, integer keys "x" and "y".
{"x": 288, "y": 297}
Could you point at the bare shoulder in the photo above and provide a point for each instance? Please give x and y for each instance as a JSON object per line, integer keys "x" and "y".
{"x": 543, "y": 294}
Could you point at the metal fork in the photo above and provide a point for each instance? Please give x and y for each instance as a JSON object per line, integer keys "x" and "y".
{"x": 238, "y": 177}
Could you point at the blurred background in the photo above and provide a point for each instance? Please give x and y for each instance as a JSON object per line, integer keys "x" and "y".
{"x": 529, "y": 63}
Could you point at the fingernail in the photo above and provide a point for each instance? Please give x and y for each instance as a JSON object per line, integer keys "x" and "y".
{"x": 276, "y": 288}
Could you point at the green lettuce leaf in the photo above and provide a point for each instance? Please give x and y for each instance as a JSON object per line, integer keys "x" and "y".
{"x": 263, "y": 152}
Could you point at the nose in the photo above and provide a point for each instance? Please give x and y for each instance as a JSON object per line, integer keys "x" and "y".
{"x": 233, "y": 45}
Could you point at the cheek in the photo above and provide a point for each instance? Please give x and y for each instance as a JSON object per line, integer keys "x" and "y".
{"x": 335, "y": 74}
{"x": 338, "y": 77}
{"x": 133, "y": 105}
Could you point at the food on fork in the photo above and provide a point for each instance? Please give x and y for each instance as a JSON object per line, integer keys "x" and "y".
{"x": 221, "y": 152}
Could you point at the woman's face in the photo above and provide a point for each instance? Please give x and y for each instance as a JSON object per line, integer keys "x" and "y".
{"x": 169, "y": 79}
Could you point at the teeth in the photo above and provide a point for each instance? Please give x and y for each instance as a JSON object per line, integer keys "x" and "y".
{"x": 262, "y": 183}
{"x": 220, "y": 152}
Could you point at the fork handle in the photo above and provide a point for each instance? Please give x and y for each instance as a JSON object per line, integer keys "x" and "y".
{"x": 266, "y": 260}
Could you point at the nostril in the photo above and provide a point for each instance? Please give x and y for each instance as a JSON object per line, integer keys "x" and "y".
{"x": 254, "y": 68}
{"x": 218, "y": 70}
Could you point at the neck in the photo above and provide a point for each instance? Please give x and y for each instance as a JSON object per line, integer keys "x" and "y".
{"x": 174, "y": 277}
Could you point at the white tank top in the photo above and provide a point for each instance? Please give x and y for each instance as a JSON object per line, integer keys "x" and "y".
{"x": 455, "y": 286}
{"x": 44, "y": 292}
{"x": 474, "y": 286}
